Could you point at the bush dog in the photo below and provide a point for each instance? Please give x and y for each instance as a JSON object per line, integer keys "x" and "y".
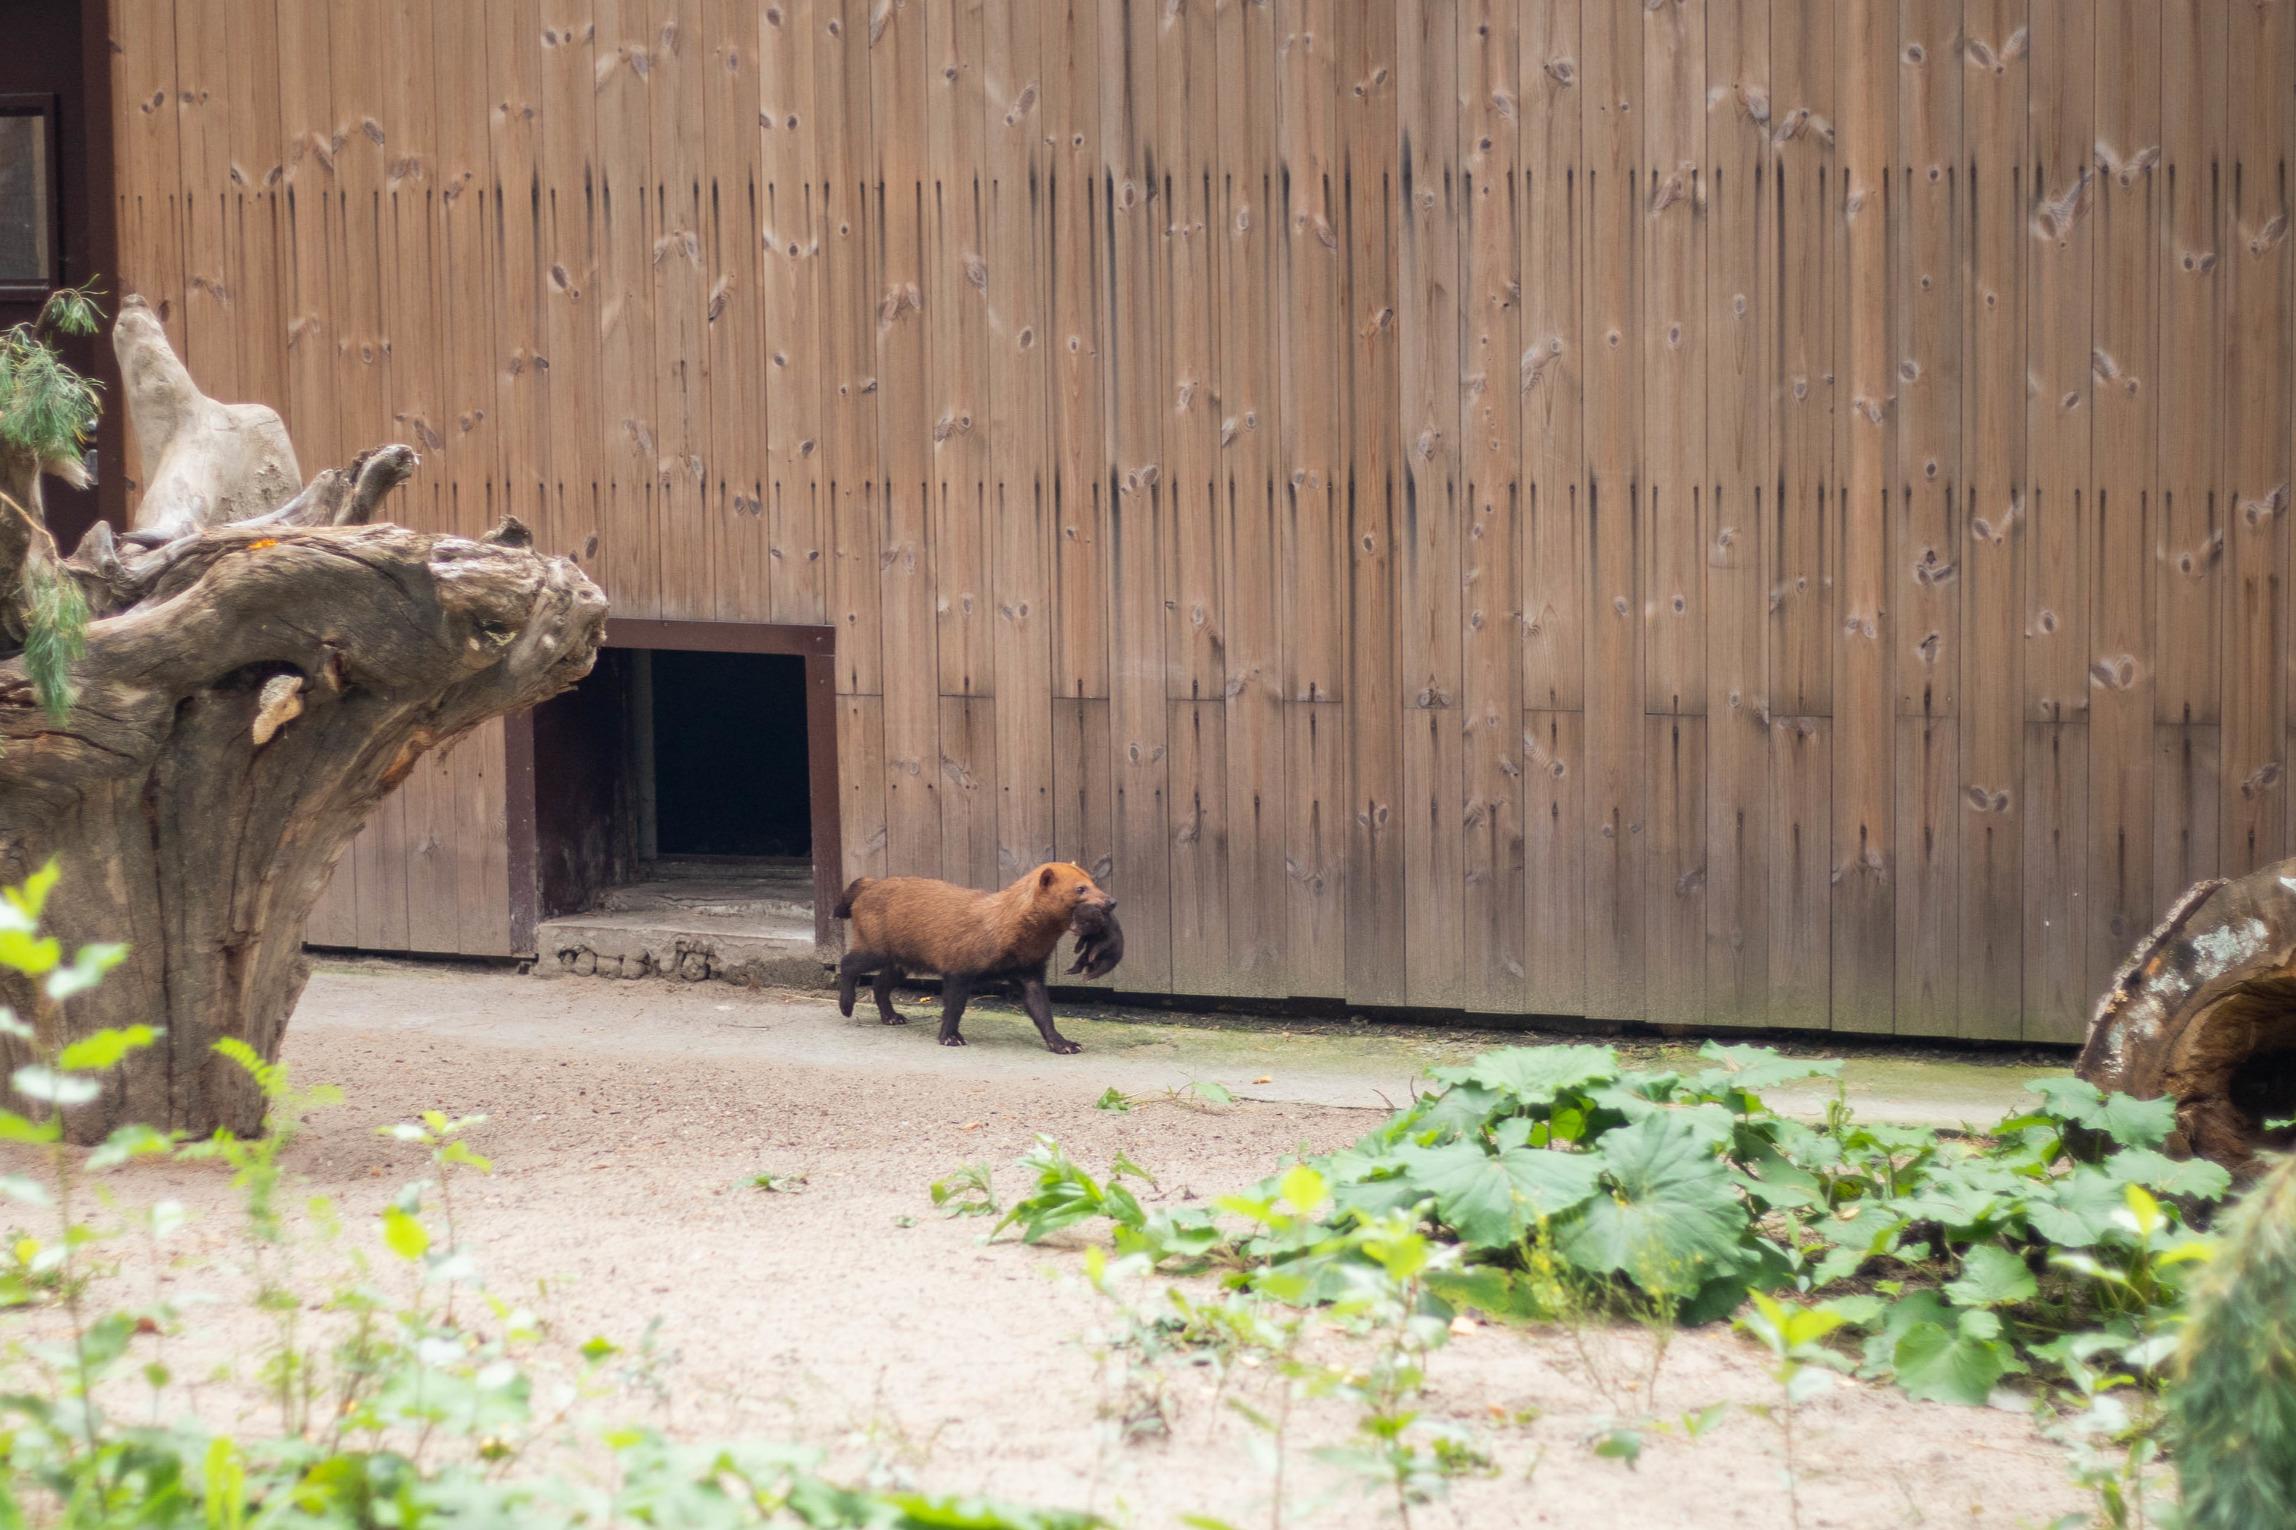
{"x": 969, "y": 938}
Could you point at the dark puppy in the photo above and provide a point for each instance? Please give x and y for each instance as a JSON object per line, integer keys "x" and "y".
{"x": 967, "y": 938}
{"x": 1099, "y": 941}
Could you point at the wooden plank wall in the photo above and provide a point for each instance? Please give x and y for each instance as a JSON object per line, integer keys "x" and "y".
{"x": 1718, "y": 512}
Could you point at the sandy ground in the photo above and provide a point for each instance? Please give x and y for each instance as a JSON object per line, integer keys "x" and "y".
{"x": 626, "y": 1121}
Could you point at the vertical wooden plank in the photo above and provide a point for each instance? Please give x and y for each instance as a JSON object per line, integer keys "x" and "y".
{"x": 463, "y": 295}
{"x": 793, "y": 287}
{"x": 1490, "y": 432}
{"x": 1801, "y": 911}
{"x": 1186, "y": 159}
{"x": 2060, "y": 507}
{"x": 2193, "y": 256}
{"x": 257, "y": 170}
{"x": 1428, "y": 532}
{"x": 1181, "y": 140}
{"x": 2123, "y": 584}
{"x": 1617, "y": 775}
{"x": 1076, "y": 212}
{"x": 1377, "y": 883}
{"x": 482, "y": 818}
{"x": 2058, "y": 995}
{"x": 1315, "y": 753}
{"x": 1083, "y": 813}
{"x": 1676, "y": 900}
{"x": 679, "y": 291}
{"x": 629, "y": 556}
{"x": 1741, "y": 296}
{"x": 2190, "y": 529}
{"x": 1246, "y": 209}
{"x": 407, "y": 216}
{"x": 2257, "y": 391}
{"x": 861, "y": 781}
{"x": 1314, "y": 296}
{"x": 898, "y": 56}
{"x": 1021, "y": 465}
{"x": 306, "y": 115}
{"x": 1309, "y": 301}
{"x": 1673, "y": 608}
{"x": 1804, "y": 77}
{"x": 967, "y": 792}
{"x": 1199, "y": 847}
{"x": 1551, "y": 373}
{"x": 1923, "y": 630}
{"x": 734, "y": 369}
{"x": 1135, "y": 404}
{"x": 2061, "y": 243}
{"x": 1927, "y": 875}
{"x": 1675, "y": 200}
{"x": 1865, "y": 463}
{"x": 358, "y": 239}
{"x": 204, "y": 48}
{"x": 2188, "y": 778}
{"x": 512, "y": 204}
{"x": 147, "y": 160}
{"x": 851, "y": 290}
{"x": 1555, "y": 849}
{"x": 578, "y": 482}
{"x": 956, "y": 336}
{"x": 1993, "y": 464}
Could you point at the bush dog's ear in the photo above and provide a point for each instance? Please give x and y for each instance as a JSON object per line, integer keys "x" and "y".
{"x": 1045, "y": 879}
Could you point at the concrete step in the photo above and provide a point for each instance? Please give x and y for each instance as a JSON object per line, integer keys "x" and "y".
{"x": 690, "y": 928}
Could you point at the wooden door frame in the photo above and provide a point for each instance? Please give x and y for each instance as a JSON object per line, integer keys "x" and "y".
{"x": 817, "y": 646}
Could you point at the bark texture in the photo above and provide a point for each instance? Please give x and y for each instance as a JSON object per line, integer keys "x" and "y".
{"x": 2204, "y": 1013}
{"x": 262, "y": 667}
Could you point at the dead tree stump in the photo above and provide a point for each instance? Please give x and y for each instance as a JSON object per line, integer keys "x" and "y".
{"x": 2204, "y": 1013}
{"x": 261, "y": 668}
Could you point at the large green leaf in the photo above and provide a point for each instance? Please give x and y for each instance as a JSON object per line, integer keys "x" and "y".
{"x": 1959, "y": 1365}
{"x": 1535, "y": 1075}
{"x": 1991, "y": 1276}
{"x": 2079, "y": 1210}
{"x": 2129, "y": 1121}
{"x": 1671, "y": 1217}
{"x": 2158, "y": 1172}
{"x": 1458, "y": 1111}
{"x": 1491, "y": 1199}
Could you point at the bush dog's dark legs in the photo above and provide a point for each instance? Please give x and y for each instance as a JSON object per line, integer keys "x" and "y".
{"x": 855, "y": 966}
{"x": 887, "y": 976}
{"x": 954, "y": 992}
{"x": 1038, "y": 1003}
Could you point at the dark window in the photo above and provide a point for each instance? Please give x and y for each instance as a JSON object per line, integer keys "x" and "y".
{"x": 27, "y": 192}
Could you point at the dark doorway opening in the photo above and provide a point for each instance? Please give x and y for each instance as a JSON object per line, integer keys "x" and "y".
{"x": 686, "y": 790}
{"x": 730, "y": 774}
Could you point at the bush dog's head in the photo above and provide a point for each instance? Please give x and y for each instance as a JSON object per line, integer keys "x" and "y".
{"x": 1068, "y": 888}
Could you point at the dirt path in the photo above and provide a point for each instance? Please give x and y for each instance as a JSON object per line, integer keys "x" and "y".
{"x": 626, "y": 1121}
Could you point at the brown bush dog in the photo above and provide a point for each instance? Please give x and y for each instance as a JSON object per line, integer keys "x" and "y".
{"x": 970, "y": 939}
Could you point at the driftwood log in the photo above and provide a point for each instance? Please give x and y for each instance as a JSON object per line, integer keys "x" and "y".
{"x": 2204, "y": 1013}
{"x": 261, "y": 667}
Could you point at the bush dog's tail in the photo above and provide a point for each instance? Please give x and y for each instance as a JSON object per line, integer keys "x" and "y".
{"x": 843, "y": 908}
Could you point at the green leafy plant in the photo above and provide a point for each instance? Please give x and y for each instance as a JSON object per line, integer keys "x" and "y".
{"x": 969, "y": 1192}
{"x": 777, "y": 1183}
{"x": 1800, "y": 1365}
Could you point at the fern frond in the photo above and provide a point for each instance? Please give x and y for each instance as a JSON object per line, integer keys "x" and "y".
{"x": 55, "y": 636}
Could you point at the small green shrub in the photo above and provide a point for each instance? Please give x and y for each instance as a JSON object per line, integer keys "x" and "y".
{"x": 2234, "y": 1403}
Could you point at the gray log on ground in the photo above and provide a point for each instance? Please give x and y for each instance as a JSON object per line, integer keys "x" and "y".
{"x": 2204, "y": 1012}
{"x": 249, "y": 691}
